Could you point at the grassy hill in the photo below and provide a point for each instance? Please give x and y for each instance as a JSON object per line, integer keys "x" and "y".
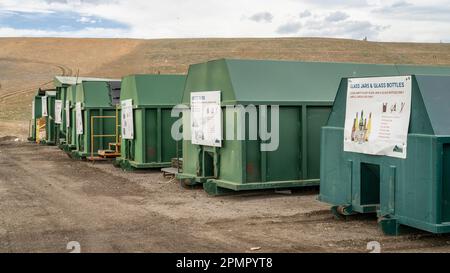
{"x": 29, "y": 63}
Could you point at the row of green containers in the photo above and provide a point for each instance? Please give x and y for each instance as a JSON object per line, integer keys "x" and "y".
{"x": 305, "y": 93}
{"x": 91, "y": 117}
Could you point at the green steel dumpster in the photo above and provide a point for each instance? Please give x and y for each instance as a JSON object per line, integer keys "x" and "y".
{"x": 149, "y": 143}
{"x": 36, "y": 113}
{"x": 66, "y": 93}
{"x": 304, "y": 93}
{"x": 96, "y": 117}
{"x": 369, "y": 177}
{"x": 48, "y": 111}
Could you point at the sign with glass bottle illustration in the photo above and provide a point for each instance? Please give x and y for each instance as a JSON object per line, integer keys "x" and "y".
{"x": 377, "y": 116}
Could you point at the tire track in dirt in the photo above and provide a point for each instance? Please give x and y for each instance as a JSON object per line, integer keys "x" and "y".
{"x": 65, "y": 71}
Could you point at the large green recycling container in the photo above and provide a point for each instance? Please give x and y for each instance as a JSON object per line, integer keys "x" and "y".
{"x": 65, "y": 92}
{"x": 304, "y": 91}
{"x": 96, "y": 117}
{"x": 412, "y": 191}
{"x": 152, "y": 98}
{"x": 36, "y": 114}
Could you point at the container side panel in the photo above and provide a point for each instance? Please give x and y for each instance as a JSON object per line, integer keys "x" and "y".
{"x": 417, "y": 181}
{"x": 135, "y": 147}
{"x": 446, "y": 184}
{"x": 336, "y": 171}
{"x": 150, "y": 149}
{"x": 253, "y": 160}
{"x": 169, "y": 145}
{"x": 316, "y": 118}
{"x": 284, "y": 164}
{"x": 231, "y": 159}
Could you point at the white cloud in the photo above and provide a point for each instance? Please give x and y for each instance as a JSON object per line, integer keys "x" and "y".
{"x": 337, "y": 16}
{"x": 85, "y": 20}
{"x": 305, "y": 14}
{"x": 265, "y": 17}
{"x": 386, "y": 20}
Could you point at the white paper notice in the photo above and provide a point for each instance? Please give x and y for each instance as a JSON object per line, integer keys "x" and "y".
{"x": 67, "y": 109}
{"x": 79, "y": 118}
{"x": 377, "y": 116}
{"x": 127, "y": 119}
{"x": 44, "y": 106}
{"x": 58, "y": 111}
{"x": 206, "y": 118}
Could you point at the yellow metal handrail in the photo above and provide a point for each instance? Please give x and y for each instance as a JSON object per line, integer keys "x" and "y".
{"x": 116, "y": 135}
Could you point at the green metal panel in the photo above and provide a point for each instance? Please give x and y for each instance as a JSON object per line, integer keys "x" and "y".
{"x": 305, "y": 92}
{"x": 50, "y": 120}
{"x": 412, "y": 191}
{"x": 95, "y": 100}
{"x": 153, "y": 98}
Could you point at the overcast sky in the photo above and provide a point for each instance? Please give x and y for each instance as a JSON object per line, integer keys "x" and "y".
{"x": 378, "y": 20}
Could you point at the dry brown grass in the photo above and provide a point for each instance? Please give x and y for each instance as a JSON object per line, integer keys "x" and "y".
{"x": 28, "y": 63}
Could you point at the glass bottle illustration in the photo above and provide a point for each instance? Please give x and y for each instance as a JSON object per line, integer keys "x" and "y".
{"x": 369, "y": 128}
{"x": 361, "y": 121}
{"x": 355, "y": 125}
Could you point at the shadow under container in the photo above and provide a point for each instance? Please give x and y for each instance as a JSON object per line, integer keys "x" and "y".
{"x": 98, "y": 102}
{"x": 304, "y": 91}
{"x": 412, "y": 192}
{"x": 153, "y": 98}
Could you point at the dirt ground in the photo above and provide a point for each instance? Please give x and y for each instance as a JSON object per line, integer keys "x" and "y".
{"x": 48, "y": 200}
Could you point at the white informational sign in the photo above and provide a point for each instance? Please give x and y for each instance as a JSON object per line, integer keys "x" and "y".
{"x": 79, "y": 118}
{"x": 67, "y": 109}
{"x": 377, "y": 116}
{"x": 44, "y": 106}
{"x": 206, "y": 118}
{"x": 58, "y": 111}
{"x": 33, "y": 109}
{"x": 127, "y": 119}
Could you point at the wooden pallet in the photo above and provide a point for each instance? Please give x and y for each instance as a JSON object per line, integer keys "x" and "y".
{"x": 108, "y": 154}
{"x": 169, "y": 172}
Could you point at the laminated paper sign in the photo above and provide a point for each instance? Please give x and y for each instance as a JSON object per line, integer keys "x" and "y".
{"x": 58, "y": 111}
{"x": 206, "y": 118}
{"x": 67, "y": 114}
{"x": 79, "y": 118}
{"x": 377, "y": 116}
{"x": 127, "y": 119}
{"x": 44, "y": 106}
